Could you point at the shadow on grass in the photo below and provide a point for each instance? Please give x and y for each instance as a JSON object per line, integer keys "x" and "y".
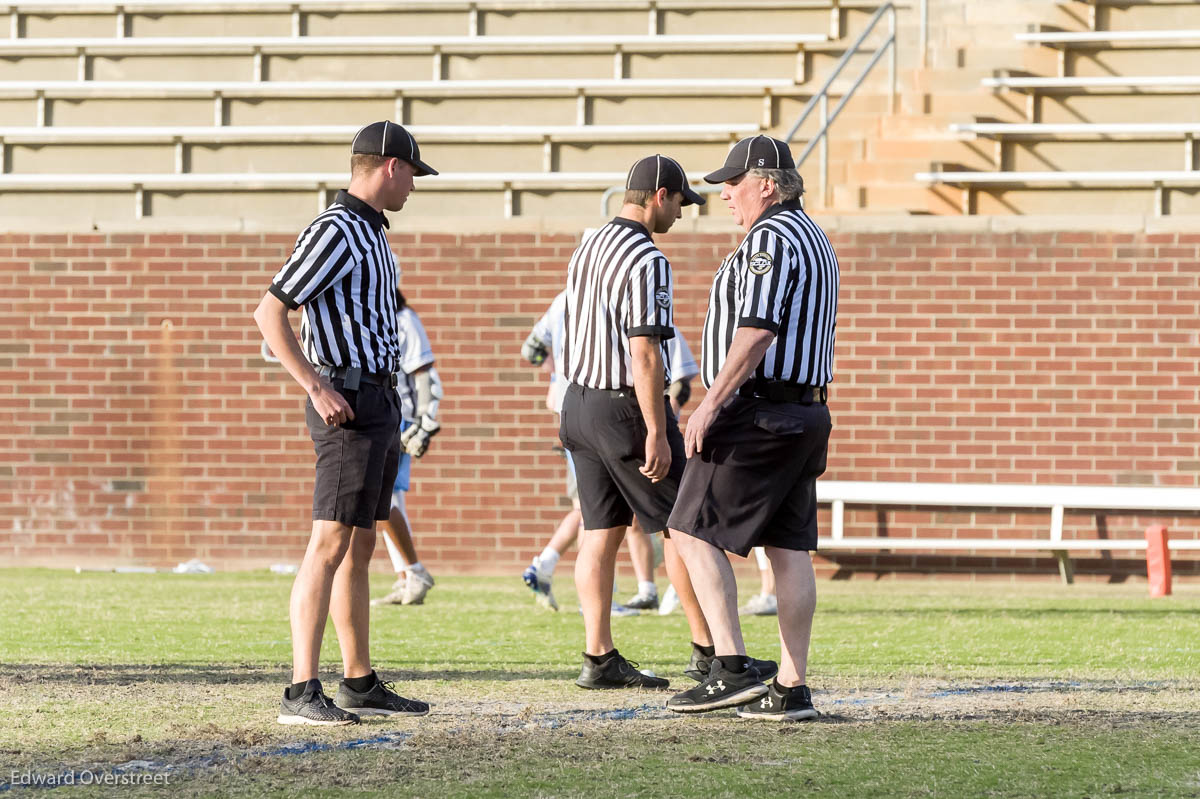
{"x": 143, "y": 673}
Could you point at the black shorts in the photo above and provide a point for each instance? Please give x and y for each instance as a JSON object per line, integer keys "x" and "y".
{"x": 606, "y": 435}
{"x": 755, "y": 481}
{"x": 356, "y": 461}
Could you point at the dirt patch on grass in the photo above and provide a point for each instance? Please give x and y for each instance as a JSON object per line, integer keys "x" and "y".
{"x": 104, "y": 718}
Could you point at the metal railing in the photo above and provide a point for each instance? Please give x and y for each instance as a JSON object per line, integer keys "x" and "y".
{"x": 820, "y": 100}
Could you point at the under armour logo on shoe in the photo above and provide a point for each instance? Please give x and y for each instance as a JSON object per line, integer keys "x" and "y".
{"x": 712, "y": 689}
{"x": 766, "y": 702}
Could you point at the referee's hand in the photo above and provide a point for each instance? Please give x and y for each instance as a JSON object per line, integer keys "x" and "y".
{"x": 330, "y": 404}
{"x": 697, "y": 427}
{"x": 658, "y": 457}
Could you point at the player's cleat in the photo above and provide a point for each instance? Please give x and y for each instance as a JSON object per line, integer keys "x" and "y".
{"x": 623, "y": 610}
{"x": 643, "y": 601}
{"x": 699, "y": 665}
{"x": 539, "y": 583}
{"x": 669, "y": 603}
{"x": 313, "y": 707}
{"x": 760, "y": 605}
{"x": 781, "y": 704}
{"x": 617, "y": 672}
{"x": 394, "y": 596}
{"x": 722, "y": 688}
{"x": 416, "y": 586}
{"x": 381, "y": 700}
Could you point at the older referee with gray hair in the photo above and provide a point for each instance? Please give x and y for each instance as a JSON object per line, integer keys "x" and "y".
{"x": 757, "y": 442}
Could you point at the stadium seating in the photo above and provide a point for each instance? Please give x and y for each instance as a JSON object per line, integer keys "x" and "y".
{"x": 1079, "y": 145}
{"x": 569, "y": 89}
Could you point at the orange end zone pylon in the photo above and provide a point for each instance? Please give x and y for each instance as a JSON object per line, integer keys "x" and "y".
{"x": 1158, "y": 560}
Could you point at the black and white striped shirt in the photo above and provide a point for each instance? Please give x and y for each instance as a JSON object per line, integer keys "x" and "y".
{"x": 783, "y": 277}
{"x": 344, "y": 274}
{"x": 618, "y": 287}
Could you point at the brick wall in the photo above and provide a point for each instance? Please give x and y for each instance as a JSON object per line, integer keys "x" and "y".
{"x": 146, "y": 428}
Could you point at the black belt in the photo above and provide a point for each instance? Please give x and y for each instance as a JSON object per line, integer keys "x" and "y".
{"x": 353, "y": 375}
{"x": 617, "y": 393}
{"x": 780, "y": 391}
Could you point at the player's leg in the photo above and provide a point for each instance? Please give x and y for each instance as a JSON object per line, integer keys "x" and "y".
{"x": 641, "y": 555}
{"x": 764, "y": 603}
{"x": 395, "y": 594}
{"x": 417, "y": 579}
{"x": 398, "y": 536}
{"x": 539, "y": 574}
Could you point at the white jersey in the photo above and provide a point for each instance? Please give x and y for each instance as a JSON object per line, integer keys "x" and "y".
{"x": 681, "y": 364}
{"x": 551, "y": 330}
{"x": 415, "y": 352}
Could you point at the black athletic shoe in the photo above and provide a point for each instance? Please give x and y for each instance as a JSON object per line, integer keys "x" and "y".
{"x": 720, "y": 689}
{"x": 313, "y": 707}
{"x": 697, "y": 667}
{"x": 381, "y": 700}
{"x": 781, "y": 704}
{"x": 617, "y": 672}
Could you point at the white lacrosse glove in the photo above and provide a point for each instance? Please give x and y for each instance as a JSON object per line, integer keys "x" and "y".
{"x": 416, "y": 436}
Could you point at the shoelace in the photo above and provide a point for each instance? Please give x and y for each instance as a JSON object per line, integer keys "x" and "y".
{"x": 324, "y": 701}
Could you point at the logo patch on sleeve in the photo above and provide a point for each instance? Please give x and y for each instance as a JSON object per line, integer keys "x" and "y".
{"x": 760, "y": 263}
{"x": 663, "y": 298}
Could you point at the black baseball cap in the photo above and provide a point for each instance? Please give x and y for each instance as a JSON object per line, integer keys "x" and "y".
{"x": 655, "y": 172}
{"x": 754, "y": 152}
{"x": 391, "y": 141}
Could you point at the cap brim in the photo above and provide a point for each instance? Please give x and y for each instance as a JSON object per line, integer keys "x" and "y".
{"x": 422, "y": 168}
{"x": 691, "y": 197}
{"x": 725, "y": 173}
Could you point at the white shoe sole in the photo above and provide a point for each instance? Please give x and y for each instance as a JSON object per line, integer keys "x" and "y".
{"x": 284, "y": 719}
{"x": 742, "y": 697}
{"x": 789, "y": 715}
{"x": 377, "y": 711}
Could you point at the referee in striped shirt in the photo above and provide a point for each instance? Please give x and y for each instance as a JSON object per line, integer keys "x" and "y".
{"x": 622, "y": 435}
{"x": 343, "y": 274}
{"x": 757, "y": 442}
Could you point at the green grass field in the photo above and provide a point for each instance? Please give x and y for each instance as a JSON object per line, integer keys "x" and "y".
{"x": 927, "y": 689}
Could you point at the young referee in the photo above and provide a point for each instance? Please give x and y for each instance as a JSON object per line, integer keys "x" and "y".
{"x": 342, "y": 272}
{"x": 622, "y": 435}
{"x": 757, "y": 442}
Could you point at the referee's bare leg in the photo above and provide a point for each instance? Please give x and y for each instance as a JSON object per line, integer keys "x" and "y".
{"x": 796, "y": 592}
{"x": 332, "y": 579}
{"x": 595, "y": 566}
{"x": 716, "y": 589}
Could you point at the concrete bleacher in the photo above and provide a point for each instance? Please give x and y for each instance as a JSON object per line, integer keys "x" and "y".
{"x": 1112, "y": 131}
{"x": 606, "y": 81}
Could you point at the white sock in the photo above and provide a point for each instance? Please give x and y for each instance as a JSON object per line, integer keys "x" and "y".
{"x": 394, "y": 553}
{"x": 647, "y": 588}
{"x": 760, "y": 555}
{"x": 547, "y": 561}
{"x": 416, "y": 567}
